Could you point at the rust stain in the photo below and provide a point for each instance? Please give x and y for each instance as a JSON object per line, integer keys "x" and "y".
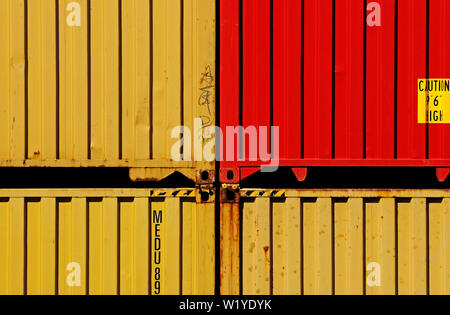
{"x": 266, "y": 253}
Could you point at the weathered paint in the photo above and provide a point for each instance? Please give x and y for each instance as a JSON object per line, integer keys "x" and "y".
{"x": 328, "y": 241}
{"x": 111, "y": 235}
{"x": 229, "y": 245}
{"x": 108, "y": 92}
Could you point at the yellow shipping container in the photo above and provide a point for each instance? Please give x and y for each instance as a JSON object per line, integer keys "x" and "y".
{"x": 113, "y": 241}
{"x": 105, "y": 82}
{"x": 335, "y": 242}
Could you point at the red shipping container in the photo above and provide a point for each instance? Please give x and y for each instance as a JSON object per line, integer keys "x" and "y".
{"x": 341, "y": 88}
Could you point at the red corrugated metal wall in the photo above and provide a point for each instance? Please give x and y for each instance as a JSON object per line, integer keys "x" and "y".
{"x": 343, "y": 93}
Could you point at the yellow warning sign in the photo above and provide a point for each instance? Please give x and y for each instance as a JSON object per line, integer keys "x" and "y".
{"x": 434, "y": 101}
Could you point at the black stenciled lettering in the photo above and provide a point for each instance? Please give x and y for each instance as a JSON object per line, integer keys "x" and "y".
{"x": 157, "y": 245}
{"x": 157, "y": 216}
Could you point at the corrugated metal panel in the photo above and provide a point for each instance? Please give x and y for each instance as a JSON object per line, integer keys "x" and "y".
{"x": 124, "y": 241}
{"x": 342, "y": 92}
{"x": 335, "y": 242}
{"x": 439, "y": 67}
{"x": 107, "y": 92}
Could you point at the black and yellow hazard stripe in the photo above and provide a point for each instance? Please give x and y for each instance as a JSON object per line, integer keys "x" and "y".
{"x": 173, "y": 193}
{"x": 264, "y": 193}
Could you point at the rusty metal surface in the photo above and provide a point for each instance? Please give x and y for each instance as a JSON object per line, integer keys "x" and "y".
{"x": 342, "y": 242}
{"x": 106, "y": 242}
{"x": 229, "y": 246}
{"x": 107, "y": 91}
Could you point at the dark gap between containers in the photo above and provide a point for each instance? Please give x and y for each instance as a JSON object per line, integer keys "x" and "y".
{"x": 27, "y": 178}
{"x": 349, "y": 178}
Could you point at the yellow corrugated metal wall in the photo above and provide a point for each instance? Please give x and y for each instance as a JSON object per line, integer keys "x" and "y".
{"x": 336, "y": 242}
{"x": 124, "y": 241}
{"x": 106, "y": 92}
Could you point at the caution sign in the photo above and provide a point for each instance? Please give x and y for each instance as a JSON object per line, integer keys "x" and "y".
{"x": 434, "y": 101}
